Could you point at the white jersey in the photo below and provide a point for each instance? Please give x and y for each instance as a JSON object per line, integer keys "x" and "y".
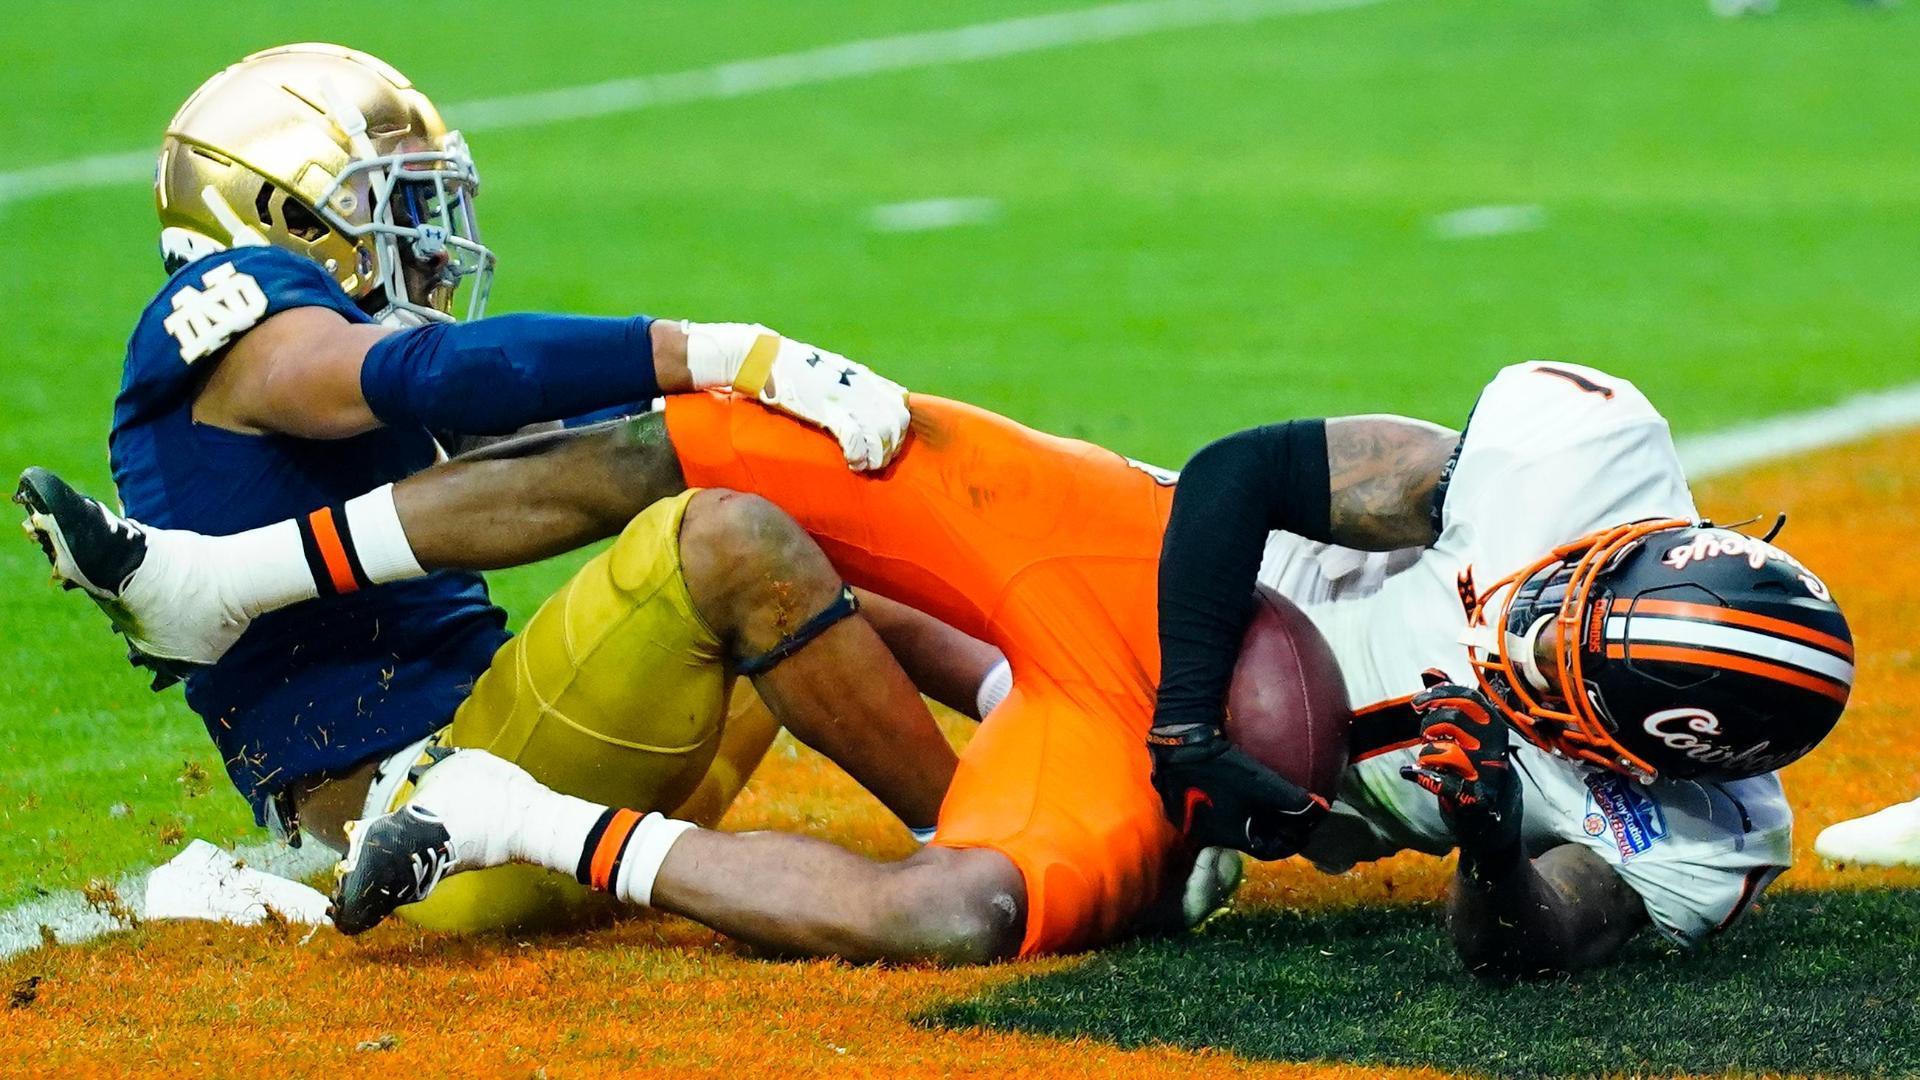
{"x": 1552, "y": 453}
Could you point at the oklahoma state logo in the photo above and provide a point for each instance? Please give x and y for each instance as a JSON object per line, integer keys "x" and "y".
{"x": 206, "y": 318}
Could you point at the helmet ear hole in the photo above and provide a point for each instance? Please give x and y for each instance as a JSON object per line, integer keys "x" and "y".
{"x": 302, "y": 222}
{"x": 262, "y": 203}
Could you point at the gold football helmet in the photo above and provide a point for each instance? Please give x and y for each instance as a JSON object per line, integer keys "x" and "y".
{"x": 331, "y": 154}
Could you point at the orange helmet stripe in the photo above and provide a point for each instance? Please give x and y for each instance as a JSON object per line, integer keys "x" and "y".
{"x": 1731, "y": 617}
{"x": 1678, "y": 654}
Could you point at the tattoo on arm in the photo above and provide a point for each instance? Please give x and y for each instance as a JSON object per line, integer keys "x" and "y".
{"x": 1383, "y": 472}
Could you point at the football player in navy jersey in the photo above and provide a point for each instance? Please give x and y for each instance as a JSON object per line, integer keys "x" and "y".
{"x": 318, "y": 225}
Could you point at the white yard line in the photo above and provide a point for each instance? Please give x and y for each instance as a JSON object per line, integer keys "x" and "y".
{"x": 72, "y": 919}
{"x": 741, "y": 78}
{"x": 1783, "y": 436}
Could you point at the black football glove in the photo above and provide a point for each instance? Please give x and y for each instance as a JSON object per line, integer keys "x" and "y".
{"x": 1464, "y": 763}
{"x": 1218, "y": 796}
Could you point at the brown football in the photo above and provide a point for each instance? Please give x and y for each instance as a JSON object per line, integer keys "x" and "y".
{"x": 1287, "y": 706}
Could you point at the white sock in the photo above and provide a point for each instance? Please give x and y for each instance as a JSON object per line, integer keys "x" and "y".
{"x": 551, "y": 829}
{"x": 652, "y": 838}
{"x": 269, "y": 568}
{"x": 994, "y": 688}
{"x": 264, "y": 569}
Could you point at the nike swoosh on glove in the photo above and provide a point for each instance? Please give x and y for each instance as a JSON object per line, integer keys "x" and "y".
{"x": 1219, "y": 796}
{"x": 1464, "y": 763}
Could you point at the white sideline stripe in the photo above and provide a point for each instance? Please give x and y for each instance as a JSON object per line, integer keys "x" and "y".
{"x": 931, "y": 215}
{"x": 1652, "y": 628}
{"x": 73, "y": 920}
{"x": 1474, "y": 222}
{"x": 1853, "y": 420}
{"x": 741, "y": 78}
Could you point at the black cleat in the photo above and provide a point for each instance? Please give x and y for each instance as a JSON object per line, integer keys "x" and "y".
{"x": 393, "y": 860}
{"x": 93, "y": 549}
{"x": 88, "y": 546}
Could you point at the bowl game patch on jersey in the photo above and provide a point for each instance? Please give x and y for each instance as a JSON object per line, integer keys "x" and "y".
{"x": 1617, "y": 806}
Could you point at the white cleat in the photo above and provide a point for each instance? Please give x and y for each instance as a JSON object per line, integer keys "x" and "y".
{"x": 161, "y": 588}
{"x": 1217, "y": 875}
{"x": 1890, "y": 837}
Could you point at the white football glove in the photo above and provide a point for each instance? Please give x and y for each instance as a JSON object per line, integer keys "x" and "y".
{"x": 866, "y": 413}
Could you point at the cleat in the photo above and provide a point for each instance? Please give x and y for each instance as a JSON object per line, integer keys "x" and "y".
{"x": 1890, "y": 837}
{"x": 1217, "y": 874}
{"x": 393, "y": 860}
{"x": 88, "y": 546}
{"x": 156, "y": 586}
{"x": 465, "y": 806}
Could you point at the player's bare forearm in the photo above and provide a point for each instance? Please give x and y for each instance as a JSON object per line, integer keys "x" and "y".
{"x": 1383, "y": 473}
{"x": 534, "y": 497}
{"x": 944, "y": 663}
{"x": 1517, "y": 918}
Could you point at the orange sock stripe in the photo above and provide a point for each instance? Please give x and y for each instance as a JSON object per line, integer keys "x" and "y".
{"x": 607, "y": 855}
{"x": 1679, "y": 654}
{"x": 1709, "y": 613}
{"x": 332, "y": 552}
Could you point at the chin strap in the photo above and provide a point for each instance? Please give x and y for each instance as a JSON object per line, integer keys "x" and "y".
{"x": 843, "y": 605}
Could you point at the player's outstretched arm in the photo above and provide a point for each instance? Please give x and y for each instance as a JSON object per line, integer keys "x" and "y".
{"x": 1366, "y": 482}
{"x": 311, "y": 373}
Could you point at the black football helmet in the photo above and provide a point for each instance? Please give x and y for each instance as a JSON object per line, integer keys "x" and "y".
{"x": 1683, "y": 651}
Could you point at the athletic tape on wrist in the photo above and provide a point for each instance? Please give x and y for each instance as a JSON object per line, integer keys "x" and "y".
{"x": 752, "y": 377}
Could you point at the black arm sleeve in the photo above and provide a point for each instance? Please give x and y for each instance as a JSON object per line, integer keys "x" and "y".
{"x": 1231, "y": 495}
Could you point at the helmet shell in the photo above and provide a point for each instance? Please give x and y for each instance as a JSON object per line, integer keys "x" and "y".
{"x": 260, "y": 135}
{"x": 1706, "y": 653}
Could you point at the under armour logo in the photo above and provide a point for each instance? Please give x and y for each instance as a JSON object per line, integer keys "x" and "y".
{"x": 846, "y": 377}
{"x": 206, "y": 318}
{"x": 813, "y": 361}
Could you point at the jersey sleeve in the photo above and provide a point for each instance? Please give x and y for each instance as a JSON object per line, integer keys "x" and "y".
{"x": 215, "y": 299}
{"x": 1697, "y": 854}
{"x": 1551, "y": 453}
{"x": 205, "y": 307}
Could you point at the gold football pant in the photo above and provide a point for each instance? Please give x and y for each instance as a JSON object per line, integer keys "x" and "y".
{"x": 616, "y": 692}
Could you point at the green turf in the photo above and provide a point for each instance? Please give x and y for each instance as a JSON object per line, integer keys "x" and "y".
{"x": 1813, "y": 983}
{"x": 1200, "y": 229}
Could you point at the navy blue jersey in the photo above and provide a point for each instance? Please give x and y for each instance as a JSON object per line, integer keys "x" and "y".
{"x": 333, "y": 682}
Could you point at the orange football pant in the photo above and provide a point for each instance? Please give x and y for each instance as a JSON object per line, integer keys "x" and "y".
{"x": 1049, "y": 549}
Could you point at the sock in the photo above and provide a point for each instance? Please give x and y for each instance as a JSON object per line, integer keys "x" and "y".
{"x": 552, "y": 829}
{"x": 360, "y": 543}
{"x": 924, "y": 836}
{"x": 994, "y": 688}
{"x": 623, "y": 853}
{"x": 263, "y": 568}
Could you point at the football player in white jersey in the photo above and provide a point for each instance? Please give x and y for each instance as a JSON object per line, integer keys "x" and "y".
{"x": 1601, "y": 751}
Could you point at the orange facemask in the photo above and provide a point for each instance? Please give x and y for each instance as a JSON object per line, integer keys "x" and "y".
{"x": 1562, "y": 720}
